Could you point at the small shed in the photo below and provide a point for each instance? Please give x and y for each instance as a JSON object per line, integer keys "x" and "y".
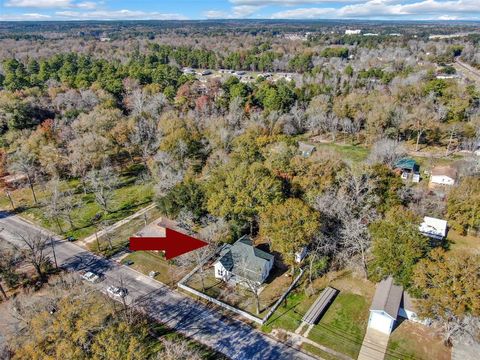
{"x": 305, "y": 149}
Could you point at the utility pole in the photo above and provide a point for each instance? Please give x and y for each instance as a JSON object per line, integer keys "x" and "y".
{"x": 3, "y": 291}
{"x": 53, "y": 251}
{"x": 96, "y": 238}
{"x": 10, "y": 198}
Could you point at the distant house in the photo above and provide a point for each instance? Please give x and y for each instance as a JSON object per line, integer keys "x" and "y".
{"x": 389, "y": 302}
{"x": 433, "y": 228}
{"x": 305, "y": 150}
{"x": 408, "y": 168}
{"x": 243, "y": 261}
{"x": 353, "y": 32}
{"x": 443, "y": 175}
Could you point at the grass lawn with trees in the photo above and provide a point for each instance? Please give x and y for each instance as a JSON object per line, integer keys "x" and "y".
{"x": 119, "y": 237}
{"x": 87, "y": 216}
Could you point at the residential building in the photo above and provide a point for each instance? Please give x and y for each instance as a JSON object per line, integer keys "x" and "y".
{"x": 443, "y": 175}
{"x": 390, "y": 302}
{"x": 353, "y": 32}
{"x": 433, "y": 228}
{"x": 242, "y": 262}
{"x": 408, "y": 169}
{"x": 305, "y": 150}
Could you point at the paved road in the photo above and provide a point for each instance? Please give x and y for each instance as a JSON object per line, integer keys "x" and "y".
{"x": 231, "y": 337}
{"x": 468, "y": 70}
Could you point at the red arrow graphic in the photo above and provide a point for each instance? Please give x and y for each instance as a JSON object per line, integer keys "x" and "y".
{"x": 174, "y": 243}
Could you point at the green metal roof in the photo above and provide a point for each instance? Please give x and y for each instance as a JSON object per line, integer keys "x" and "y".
{"x": 407, "y": 164}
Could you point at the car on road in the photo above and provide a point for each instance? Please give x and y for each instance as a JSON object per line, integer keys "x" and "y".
{"x": 91, "y": 277}
{"x": 116, "y": 291}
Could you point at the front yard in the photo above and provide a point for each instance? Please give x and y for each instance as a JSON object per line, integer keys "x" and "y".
{"x": 239, "y": 296}
{"x": 146, "y": 261}
{"x": 119, "y": 237}
{"x": 343, "y": 325}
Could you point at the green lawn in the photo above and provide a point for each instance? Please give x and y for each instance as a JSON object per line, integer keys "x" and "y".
{"x": 119, "y": 237}
{"x": 319, "y": 352}
{"x": 146, "y": 261}
{"x": 129, "y": 197}
{"x": 343, "y": 326}
{"x": 289, "y": 316}
{"x": 350, "y": 152}
{"x": 460, "y": 243}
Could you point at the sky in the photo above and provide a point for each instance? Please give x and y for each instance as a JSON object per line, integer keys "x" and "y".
{"x": 238, "y": 9}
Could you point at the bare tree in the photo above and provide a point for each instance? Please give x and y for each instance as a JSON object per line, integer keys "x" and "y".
{"x": 145, "y": 137}
{"x": 464, "y": 328}
{"x": 24, "y": 162}
{"x": 103, "y": 182}
{"x": 167, "y": 172}
{"x": 386, "y": 151}
{"x": 197, "y": 257}
{"x": 67, "y": 205}
{"x": 347, "y": 214}
{"x": 34, "y": 250}
{"x": 54, "y": 206}
{"x": 177, "y": 350}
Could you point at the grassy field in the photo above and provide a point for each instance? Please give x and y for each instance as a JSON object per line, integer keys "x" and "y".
{"x": 119, "y": 237}
{"x": 460, "y": 243}
{"x": 349, "y": 152}
{"x": 87, "y": 215}
{"x": 343, "y": 326}
{"x": 147, "y": 261}
{"x": 319, "y": 352}
{"x": 289, "y": 315}
{"x": 414, "y": 341}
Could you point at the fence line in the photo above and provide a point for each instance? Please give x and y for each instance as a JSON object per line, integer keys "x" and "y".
{"x": 261, "y": 321}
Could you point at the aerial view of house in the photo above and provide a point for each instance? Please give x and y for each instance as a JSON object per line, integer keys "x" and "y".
{"x": 242, "y": 261}
{"x": 240, "y": 179}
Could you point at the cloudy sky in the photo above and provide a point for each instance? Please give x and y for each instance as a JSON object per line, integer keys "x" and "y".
{"x": 223, "y": 9}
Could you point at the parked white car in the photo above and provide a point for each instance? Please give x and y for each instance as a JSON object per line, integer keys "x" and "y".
{"x": 91, "y": 277}
{"x": 116, "y": 291}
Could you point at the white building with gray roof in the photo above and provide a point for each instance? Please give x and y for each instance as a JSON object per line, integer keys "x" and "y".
{"x": 243, "y": 262}
{"x": 390, "y": 302}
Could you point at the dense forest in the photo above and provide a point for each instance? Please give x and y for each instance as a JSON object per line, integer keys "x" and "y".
{"x": 222, "y": 148}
